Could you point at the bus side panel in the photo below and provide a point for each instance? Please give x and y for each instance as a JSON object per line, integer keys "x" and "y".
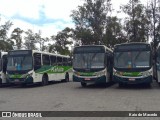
{"x": 56, "y": 76}
{"x": 3, "y": 78}
{"x": 37, "y": 77}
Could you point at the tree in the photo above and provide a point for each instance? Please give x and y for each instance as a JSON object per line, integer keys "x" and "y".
{"x": 41, "y": 40}
{"x": 16, "y": 35}
{"x": 136, "y": 24}
{"x": 30, "y": 40}
{"x": 114, "y": 33}
{"x": 90, "y": 21}
{"x": 5, "y": 42}
{"x": 62, "y": 42}
{"x": 154, "y": 11}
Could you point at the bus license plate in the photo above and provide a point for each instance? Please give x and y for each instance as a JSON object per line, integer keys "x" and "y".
{"x": 131, "y": 79}
{"x": 16, "y": 80}
{"x": 87, "y": 79}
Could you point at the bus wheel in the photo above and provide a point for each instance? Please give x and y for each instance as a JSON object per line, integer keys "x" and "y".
{"x": 44, "y": 80}
{"x": 67, "y": 77}
{"x": 83, "y": 84}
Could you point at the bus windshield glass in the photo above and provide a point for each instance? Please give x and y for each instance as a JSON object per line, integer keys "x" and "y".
{"x": 19, "y": 63}
{"x": 88, "y": 60}
{"x": 132, "y": 59}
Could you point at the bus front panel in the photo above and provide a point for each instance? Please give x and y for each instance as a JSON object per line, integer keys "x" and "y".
{"x": 132, "y": 66}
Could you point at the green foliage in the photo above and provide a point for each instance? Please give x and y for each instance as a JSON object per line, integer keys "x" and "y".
{"x": 136, "y": 24}
{"x": 153, "y": 10}
{"x": 61, "y": 42}
{"x": 5, "y": 42}
{"x": 17, "y": 36}
{"x": 114, "y": 34}
{"x": 41, "y": 41}
{"x": 90, "y": 21}
{"x": 30, "y": 40}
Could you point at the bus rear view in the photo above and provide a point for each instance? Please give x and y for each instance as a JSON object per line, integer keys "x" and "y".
{"x": 132, "y": 64}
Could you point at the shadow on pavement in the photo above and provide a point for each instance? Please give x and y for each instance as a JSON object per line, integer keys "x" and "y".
{"x": 96, "y": 86}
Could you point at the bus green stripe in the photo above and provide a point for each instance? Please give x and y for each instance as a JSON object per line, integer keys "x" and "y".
{"x": 52, "y": 70}
{"x": 134, "y": 74}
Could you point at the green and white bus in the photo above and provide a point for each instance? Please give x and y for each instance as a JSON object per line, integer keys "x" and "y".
{"x": 3, "y": 66}
{"x": 92, "y": 64}
{"x": 132, "y": 63}
{"x": 30, "y": 66}
{"x": 157, "y": 65}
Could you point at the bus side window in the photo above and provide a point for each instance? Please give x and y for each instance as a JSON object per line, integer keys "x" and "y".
{"x": 37, "y": 61}
{"x": 59, "y": 61}
{"x": 53, "y": 60}
{"x": 4, "y": 63}
{"x": 46, "y": 60}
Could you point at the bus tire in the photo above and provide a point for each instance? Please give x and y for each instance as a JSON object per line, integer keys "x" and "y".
{"x": 83, "y": 84}
{"x": 44, "y": 80}
{"x": 67, "y": 77}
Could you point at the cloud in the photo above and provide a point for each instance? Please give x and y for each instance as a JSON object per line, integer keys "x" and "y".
{"x": 49, "y": 16}
{"x": 25, "y": 8}
{"x": 61, "y": 9}
{"x": 47, "y": 29}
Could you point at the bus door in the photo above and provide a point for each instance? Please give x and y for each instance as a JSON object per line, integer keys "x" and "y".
{"x": 4, "y": 68}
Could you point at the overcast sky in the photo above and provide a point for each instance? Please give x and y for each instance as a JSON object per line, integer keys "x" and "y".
{"x": 49, "y": 16}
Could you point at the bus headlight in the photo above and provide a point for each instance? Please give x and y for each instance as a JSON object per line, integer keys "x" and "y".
{"x": 30, "y": 75}
{"x": 147, "y": 73}
{"x": 114, "y": 71}
{"x": 101, "y": 73}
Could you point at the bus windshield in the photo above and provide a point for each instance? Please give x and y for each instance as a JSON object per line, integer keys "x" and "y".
{"x": 19, "y": 63}
{"x": 132, "y": 59}
{"x": 88, "y": 60}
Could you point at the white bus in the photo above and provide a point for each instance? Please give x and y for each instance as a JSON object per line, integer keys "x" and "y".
{"x": 157, "y": 66}
{"x": 133, "y": 64}
{"x": 3, "y": 66}
{"x": 92, "y": 64}
{"x": 30, "y": 66}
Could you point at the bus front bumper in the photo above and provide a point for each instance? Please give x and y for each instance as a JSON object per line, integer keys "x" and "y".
{"x": 96, "y": 80}
{"x": 28, "y": 80}
{"x": 132, "y": 80}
